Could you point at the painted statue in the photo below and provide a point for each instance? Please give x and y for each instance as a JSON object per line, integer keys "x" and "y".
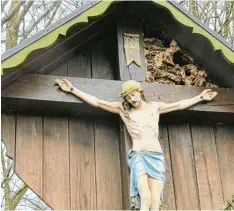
{"x": 146, "y": 158}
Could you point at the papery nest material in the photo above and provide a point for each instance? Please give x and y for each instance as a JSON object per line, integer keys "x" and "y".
{"x": 161, "y": 67}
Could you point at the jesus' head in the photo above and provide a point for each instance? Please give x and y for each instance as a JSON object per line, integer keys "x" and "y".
{"x": 132, "y": 94}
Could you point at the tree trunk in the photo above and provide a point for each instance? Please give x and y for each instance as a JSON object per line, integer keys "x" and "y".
{"x": 11, "y": 27}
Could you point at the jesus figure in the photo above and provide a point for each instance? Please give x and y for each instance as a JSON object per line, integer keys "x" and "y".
{"x": 146, "y": 158}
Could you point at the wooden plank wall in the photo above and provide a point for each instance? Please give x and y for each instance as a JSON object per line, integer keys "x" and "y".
{"x": 75, "y": 163}
{"x": 75, "y": 151}
{"x": 199, "y": 161}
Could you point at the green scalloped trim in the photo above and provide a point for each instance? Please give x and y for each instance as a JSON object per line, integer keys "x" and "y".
{"x": 97, "y": 10}
{"x": 185, "y": 20}
{"x": 51, "y": 37}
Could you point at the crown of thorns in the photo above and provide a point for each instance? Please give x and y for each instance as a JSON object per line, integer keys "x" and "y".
{"x": 130, "y": 86}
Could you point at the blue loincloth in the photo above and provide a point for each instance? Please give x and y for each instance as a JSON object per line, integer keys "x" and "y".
{"x": 144, "y": 162}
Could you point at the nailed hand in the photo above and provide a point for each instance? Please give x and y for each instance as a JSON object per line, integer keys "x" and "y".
{"x": 64, "y": 84}
{"x": 208, "y": 95}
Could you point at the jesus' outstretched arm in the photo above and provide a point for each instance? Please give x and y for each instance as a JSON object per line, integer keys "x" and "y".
{"x": 206, "y": 95}
{"x": 113, "y": 107}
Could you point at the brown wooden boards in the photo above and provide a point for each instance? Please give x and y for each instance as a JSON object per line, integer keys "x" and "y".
{"x": 80, "y": 66}
{"x": 82, "y": 152}
{"x": 56, "y": 157}
{"x": 103, "y": 60}
{"x": 82, "y": 164}
{"x": 207, "y": 168}
{"x": 183, "y": 170}
{"x": 169, "y": 195}
{"x": 129, "y": 23}
{"x": 56, "y": 181}
{"x": 225, "y": 148}
{"x": 61, "y": 71}
{"x": 29, "y": 138}
{"x": 8, "y": 133}
{"x": 106, "y": 133}
{"x": 108, "y": 173}
{"x": 125, "y": 144}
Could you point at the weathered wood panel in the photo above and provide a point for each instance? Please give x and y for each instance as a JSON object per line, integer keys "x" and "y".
{"x": 108, "y": 175}
{"x": 184, "y": 174}
{"x": 225, "y": 148}
{"x": 207, "y": 168}
{"x": 132, "y": 25}
{"x": 103, "y": 60}
{"x": 83, "y": 168}
{"x": 80, "y": 66}
{"x": 56, "y": 174}
{"x": 82, "y": 164}
{"x": 169, "y": 194}
{"x": 106, "y": 133}
{"x": 125, "y": 144}
{"x": 56, "y": 157}
{"x": 61, "y": 71}
{"x": 8, "y": 133}
{"x": 28, "y": 160}
{"x": 82, "y": 152}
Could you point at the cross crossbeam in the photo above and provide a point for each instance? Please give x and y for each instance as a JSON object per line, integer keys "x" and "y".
{"x": 38, "y": 94}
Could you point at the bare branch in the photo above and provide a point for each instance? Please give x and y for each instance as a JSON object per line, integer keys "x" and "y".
{"x": 40, "y": 19}
{"x": 182, "y": 2}
{"x": 34, "y": 204}
{"x": 53, "y": 14}
{"x": 227, "y": 19}
{"x": 6, "y": 174}
{"x": 6, "y": 182}
{"x": 24, "y": 11}
{"x": 7, "y": 18}
{"x": 18, "y": 196}
{"x": 3, "y": 4}
{"x": 3, "y": 159}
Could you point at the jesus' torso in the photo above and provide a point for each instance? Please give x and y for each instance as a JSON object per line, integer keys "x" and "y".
{"x": 143, "y": 127}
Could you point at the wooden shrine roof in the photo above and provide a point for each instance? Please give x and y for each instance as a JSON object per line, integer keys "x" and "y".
{"x": 54, "y": 43}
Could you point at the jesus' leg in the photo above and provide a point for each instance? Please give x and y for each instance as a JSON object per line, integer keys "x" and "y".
{"x": 144, "y": 191}
{"x": 156, "y": 187}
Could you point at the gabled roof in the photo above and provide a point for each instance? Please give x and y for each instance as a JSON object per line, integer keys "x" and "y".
{"x": 16, "y": 56}
{"x": 47, "y": 30}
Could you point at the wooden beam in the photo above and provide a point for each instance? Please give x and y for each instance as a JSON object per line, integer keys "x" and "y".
{"x": 128, "y": 22}
{"x": 125, "y": 144}
{"x": 38, "y": 94}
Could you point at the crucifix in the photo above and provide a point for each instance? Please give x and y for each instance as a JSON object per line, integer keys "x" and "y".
{"x": 108, "y": 91}
{"x": 146, "y": 158}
